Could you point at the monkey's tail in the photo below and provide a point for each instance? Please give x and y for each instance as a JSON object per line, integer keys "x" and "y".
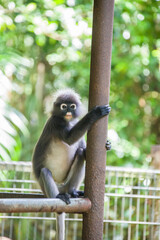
{"x": 60, "y": 226}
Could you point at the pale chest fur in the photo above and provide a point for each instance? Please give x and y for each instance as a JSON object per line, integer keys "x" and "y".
{"x": 59, "y": 159}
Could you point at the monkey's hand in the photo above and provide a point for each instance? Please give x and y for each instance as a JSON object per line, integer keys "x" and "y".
{"x": 65, "y": 197}
{"x": 100, "y": 111}
{"x": 108, "y": 145}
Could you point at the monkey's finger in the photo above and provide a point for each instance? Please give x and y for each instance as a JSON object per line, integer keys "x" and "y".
{"x": 108, "y": 145}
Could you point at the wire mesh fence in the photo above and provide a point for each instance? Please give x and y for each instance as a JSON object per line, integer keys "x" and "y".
{"x": 131, "y": 209}
{"x": 132, "y": 204}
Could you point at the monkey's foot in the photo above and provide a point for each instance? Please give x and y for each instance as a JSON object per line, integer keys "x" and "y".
{"x": 81, "y": 193}
{"x": 77, "y": 194}
{"x": 65, "y": 197}
{"x": 108, "y": 145}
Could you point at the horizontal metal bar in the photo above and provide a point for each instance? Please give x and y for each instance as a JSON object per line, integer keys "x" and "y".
{"x": 19, "y": 163}
{"x": 132, "y": 170}
{"x": 11, "y": 205}
{"x": 28, "y": 218}
{"x": 133, "y": 187}
{"x": 18, "y": 166}
{"x": 131, "y": 222}
{"x": 80, "y": 220}
{"x": 20, "y": 195}
{"x": 20, "y": 189}
{"x": 148, "y": 188}
{"x": 131, "y": 196}
{"x": 28, "y": 167}
{"x": 40, "y": 218}
{"x": 17, "y": 181}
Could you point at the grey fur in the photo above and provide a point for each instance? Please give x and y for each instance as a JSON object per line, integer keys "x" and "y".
{"x": 59, "y": 155}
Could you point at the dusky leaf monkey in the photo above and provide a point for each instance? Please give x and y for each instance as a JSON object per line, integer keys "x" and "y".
{"x": 58, "y": 158}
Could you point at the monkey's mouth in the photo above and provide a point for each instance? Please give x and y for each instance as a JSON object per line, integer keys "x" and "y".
{"x": 68, "y": 116}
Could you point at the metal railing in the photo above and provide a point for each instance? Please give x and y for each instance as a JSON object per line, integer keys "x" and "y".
{"x": 132, "y": 204}
{"x": 131, "y": 209}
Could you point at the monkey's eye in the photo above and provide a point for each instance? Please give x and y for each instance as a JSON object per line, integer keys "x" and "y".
{"x": 63, "y": 106}
{"x": 73, "y": 106}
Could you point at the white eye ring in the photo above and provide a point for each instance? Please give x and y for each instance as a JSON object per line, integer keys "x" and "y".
{"x": 63, "y": 106}
{"x": 73, "y": 106}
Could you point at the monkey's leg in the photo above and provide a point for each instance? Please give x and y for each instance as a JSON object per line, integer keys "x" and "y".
{"x": 76, "y": 174}
{"x": 47, "y": 183}
{"x": 49, "y": 186}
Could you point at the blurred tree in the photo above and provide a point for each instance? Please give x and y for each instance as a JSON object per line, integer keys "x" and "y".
{"x": 135, "y": 63}
{"x": 45, "y": 45}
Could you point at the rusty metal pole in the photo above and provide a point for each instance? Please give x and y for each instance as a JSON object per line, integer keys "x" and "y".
{"x": 43, "y": 205}
{"x": 99, "y": 94}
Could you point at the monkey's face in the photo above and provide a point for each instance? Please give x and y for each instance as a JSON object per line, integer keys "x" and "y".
{"x": 67, "y": 110}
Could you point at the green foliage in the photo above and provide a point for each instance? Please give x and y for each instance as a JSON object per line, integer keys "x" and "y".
{"x": 45, "y": 45}
{"x": 13, "y": 125}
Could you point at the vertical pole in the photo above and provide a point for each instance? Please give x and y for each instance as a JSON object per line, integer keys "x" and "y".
{"x": 99, "y": 94}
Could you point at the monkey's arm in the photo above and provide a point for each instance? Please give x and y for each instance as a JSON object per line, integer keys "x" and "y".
{"x": 85, "y": 123}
